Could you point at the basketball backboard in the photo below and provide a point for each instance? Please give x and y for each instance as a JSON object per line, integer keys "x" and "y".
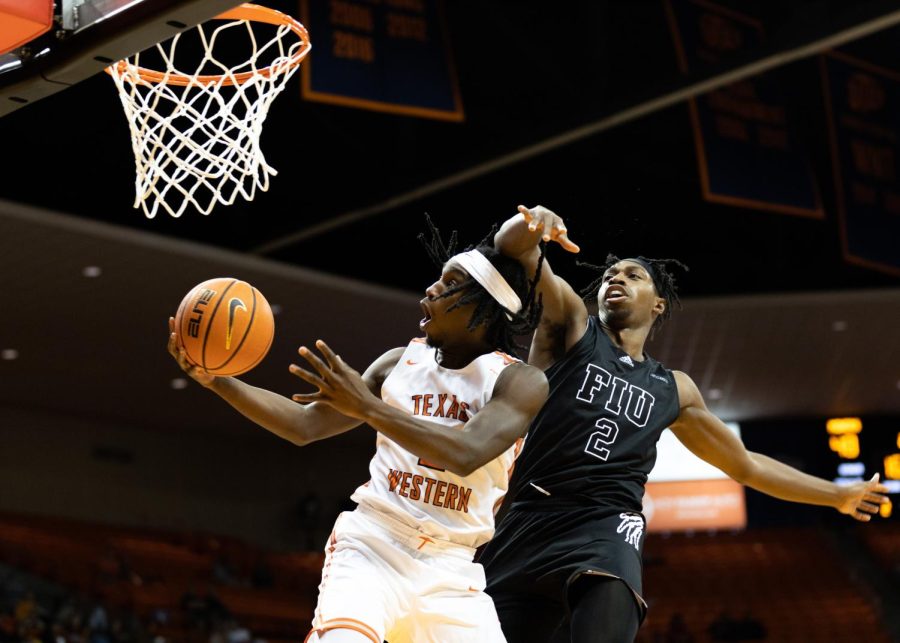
{"x": 78, "y": 15}
{"x": 89, "y": 35}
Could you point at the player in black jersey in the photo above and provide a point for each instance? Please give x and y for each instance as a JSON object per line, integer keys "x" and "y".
{"x": 565, "y": 562}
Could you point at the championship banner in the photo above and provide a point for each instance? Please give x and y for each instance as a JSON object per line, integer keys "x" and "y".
{"x": 382, "y": 55}
{"x": 863, "y": 104}
{"x": 747, "y": 153}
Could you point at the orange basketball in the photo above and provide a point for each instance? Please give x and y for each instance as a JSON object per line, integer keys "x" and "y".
{"x": 225, "y": 326}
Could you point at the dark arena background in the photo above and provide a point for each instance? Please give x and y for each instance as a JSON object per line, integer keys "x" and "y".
{"x": 757, "y": 142}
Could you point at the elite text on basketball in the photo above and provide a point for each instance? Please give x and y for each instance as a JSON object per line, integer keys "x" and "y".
{"x": 199, "y": 307}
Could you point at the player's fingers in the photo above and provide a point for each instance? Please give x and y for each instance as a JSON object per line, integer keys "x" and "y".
{"x": 525, "y": 212}
{"x": 862, "y": 517}
{"x": 332, "y": 359}
{"x": 549, "y": 227}
{"x": 183, "y": 361}
{"x": 178, "y": 353}
{"x": 306, "y": 398}
{"x": 868, "y": 507}
{"x": 306, "y": 376}
{"x": 171, "y": 324}
{"x": 194, "y": 372}
{"x": 534, "y": 221}
{"x": 314, "y": 360}
{"x": 562, "y": 238}
{"x": 877, "y": 498}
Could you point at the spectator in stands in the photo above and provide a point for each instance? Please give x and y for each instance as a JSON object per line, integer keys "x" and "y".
{"x": 235, "y": 633}
{"x": 98, "y": 623}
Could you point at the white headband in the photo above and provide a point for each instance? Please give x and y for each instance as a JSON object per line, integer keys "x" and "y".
{"x": 483, "y": 271}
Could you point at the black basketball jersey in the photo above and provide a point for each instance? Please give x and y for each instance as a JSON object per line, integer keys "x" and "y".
{"x": 594, "y": 442}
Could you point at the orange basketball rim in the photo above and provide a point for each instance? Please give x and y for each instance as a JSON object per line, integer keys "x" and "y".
{"x": 247, "y": 12}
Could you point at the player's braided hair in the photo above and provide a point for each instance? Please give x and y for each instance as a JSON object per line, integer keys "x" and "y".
{"x": 502, "y": 331}
{"x": 662, "y": 278}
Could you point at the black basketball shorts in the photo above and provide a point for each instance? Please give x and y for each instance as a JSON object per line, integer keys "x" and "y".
{"x": 541, "y": 553}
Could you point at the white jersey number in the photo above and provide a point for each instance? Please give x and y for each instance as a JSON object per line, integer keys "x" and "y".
{"x": 606, "y": 433}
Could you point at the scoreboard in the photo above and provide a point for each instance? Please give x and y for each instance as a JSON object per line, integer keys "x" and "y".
{"x": 844, "y": 450}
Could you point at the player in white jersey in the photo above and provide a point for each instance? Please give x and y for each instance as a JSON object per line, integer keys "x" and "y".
{"x": 450, "y": 410}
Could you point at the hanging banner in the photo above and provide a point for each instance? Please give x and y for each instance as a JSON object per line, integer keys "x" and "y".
{"x": 747, "y": 153}
{"x": 382, "y": 55}
{"x": 863, "y": 104}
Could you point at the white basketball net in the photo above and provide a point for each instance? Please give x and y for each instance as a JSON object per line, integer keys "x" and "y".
{"x": 196, "y": 137}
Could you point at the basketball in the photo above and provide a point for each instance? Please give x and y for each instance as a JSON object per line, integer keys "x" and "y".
{"x": 225, "y": 326}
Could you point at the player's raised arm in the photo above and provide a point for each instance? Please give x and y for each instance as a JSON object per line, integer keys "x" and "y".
{"x": 565, "y": 315}
{"x": 708, "y": 438}
{"x": 518, "y": 395}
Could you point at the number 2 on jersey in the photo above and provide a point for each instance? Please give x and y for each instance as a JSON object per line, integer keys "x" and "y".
{"x": 606, "y": 433}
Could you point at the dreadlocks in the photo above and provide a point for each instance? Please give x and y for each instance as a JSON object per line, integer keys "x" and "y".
{"x": 660, "y": 274}
{"x": 502, "y": 331}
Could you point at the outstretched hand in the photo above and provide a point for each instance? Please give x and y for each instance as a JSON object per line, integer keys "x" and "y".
{"x": 194, "y": 372}
{"x": 340, "y": 386}
{"x": 540, "y": 219}
{"x": 863, "y": 499}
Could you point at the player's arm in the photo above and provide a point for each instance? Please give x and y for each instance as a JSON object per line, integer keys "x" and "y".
{"x": 709, "y": 439}
{"x": 278, "y": 414}
{"x": 518, "y": 395}
{"x": 564, "y": 317}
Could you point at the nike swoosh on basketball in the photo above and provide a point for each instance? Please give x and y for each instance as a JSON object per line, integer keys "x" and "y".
{"x": 233, "y": 304}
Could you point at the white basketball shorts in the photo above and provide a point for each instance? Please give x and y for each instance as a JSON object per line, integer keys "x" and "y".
{"x": 392, "y": 583}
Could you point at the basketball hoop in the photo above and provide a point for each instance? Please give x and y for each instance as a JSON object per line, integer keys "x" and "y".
{"x": 195, "y": 136}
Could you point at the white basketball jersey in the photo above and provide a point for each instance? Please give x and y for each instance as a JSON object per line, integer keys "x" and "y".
{"x": 439, "y": 503}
